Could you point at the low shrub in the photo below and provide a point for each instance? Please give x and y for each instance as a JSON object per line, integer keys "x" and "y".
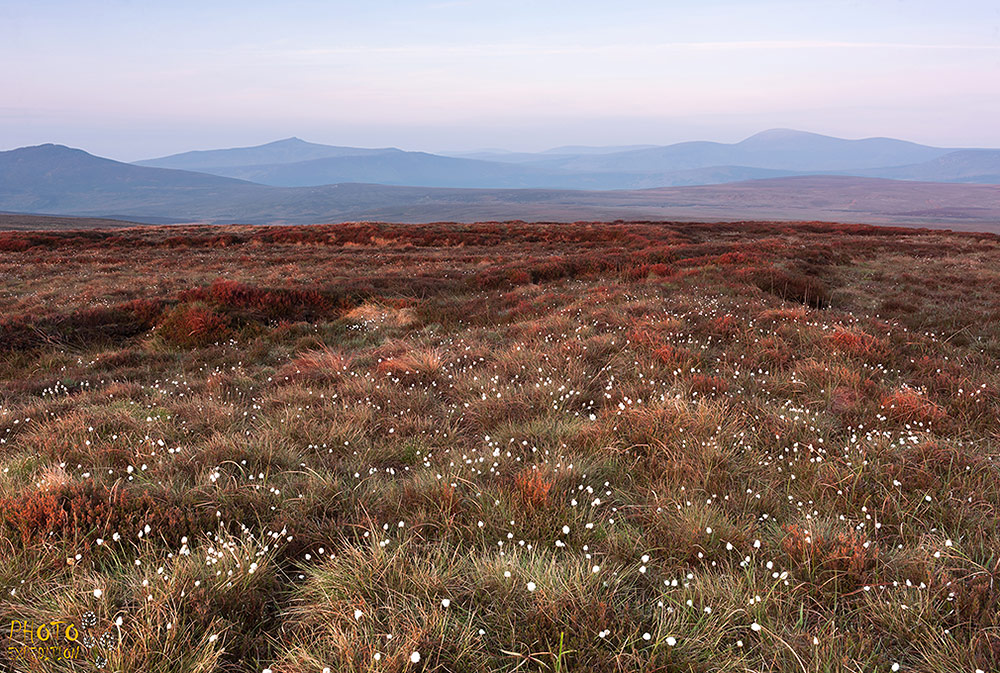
{"x": 191, "y": 325}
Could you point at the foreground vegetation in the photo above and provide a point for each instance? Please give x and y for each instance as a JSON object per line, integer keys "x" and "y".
{"x": 499, "y": 447}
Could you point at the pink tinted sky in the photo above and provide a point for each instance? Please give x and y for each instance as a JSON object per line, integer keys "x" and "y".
{"x": 133, "y": 79}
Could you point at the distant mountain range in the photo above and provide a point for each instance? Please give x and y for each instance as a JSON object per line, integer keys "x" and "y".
{"x": 775, "y": 153}
{"x": 57, "y": 180}
{"x": 62, "y": 180}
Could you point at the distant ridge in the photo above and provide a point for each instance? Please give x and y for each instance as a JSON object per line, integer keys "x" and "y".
{"x": 981, "y": 166}
{"x": 293, "y": 162}
{"x": 31, "y": 222}
{"x": 64, "y": 181}
{"x": 288, "y": 150}
{"x": 781, "y": 149}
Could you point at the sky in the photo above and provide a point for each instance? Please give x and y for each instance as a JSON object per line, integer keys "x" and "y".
{"x": 133, "y": 79}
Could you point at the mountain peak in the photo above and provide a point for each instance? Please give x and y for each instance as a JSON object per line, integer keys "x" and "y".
{"x": 781, "y": 134}
{"x": 292, "y": 142}
{"x": 46, "y": 148}
{"x": 50, "y": 152}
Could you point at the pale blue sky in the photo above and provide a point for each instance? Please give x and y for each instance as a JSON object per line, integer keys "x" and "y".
{"x": 135, "y": 78}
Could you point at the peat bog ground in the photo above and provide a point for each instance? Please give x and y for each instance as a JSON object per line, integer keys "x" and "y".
{"x": 501, "y": 446}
